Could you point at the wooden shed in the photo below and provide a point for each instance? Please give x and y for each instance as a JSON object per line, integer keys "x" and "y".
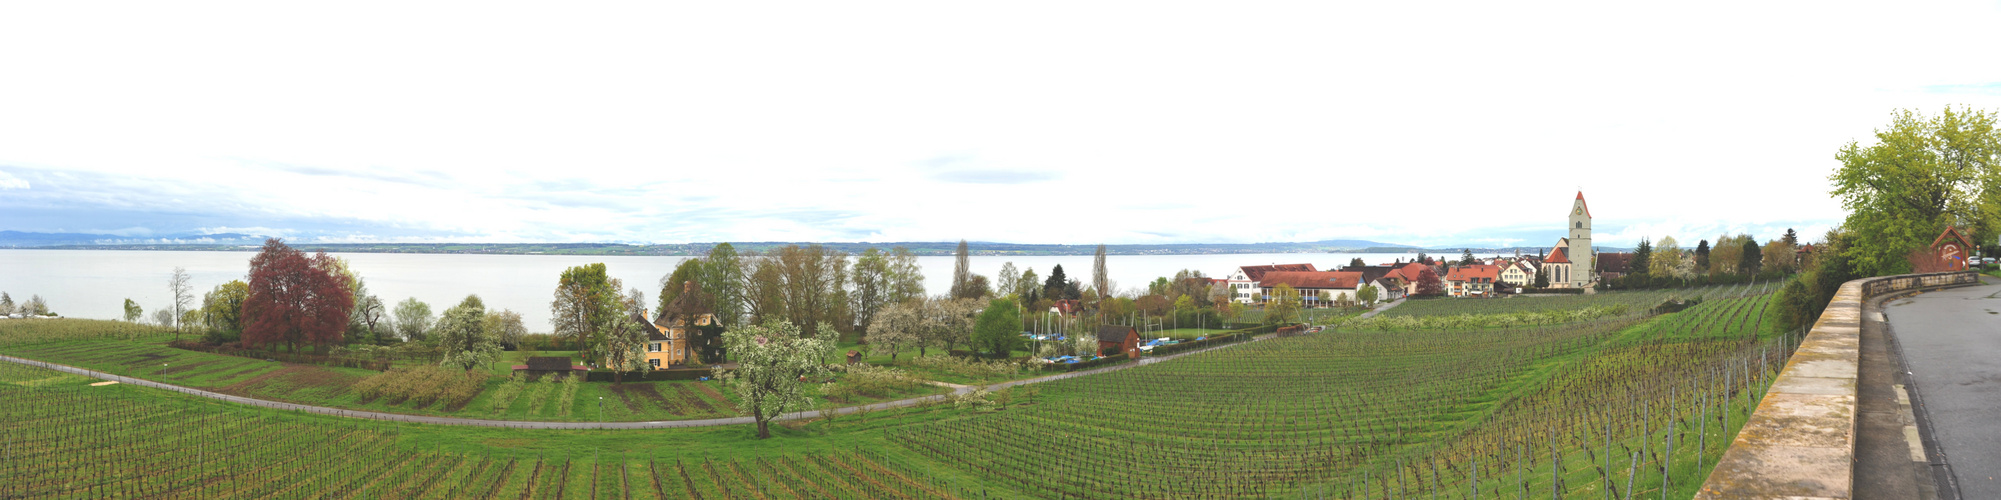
{"x": 1113, "y": 339}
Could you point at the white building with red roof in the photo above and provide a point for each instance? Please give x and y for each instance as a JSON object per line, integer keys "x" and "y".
{"x": 1244, "y": 282}
{"x": 1473, "y": 280}
{"x": 1318, "y": 288}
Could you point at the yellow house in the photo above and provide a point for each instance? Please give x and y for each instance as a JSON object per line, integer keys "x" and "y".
{"x": 669, "y": 344}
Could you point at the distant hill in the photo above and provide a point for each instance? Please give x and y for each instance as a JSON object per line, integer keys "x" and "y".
{"x": 17, "y": 239}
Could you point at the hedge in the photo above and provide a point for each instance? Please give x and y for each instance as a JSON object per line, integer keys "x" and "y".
{"x": 289, "y": 357}
{"x": 1227, "y": 338}
{"x": 653, "y": 376}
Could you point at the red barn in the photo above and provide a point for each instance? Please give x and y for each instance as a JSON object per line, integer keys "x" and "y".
{"x": 1113, "y": 339}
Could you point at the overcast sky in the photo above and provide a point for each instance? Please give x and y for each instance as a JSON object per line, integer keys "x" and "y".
{"x": 1058, "y": 122}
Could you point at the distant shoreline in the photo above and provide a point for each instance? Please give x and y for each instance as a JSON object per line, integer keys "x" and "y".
{"x": 928, "y": 249}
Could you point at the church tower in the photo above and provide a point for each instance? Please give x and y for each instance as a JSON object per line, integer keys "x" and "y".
{"x": 1582, "y": 257}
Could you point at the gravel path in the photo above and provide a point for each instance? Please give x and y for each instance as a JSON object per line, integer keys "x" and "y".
{"x": 524, "y": 424}
{"x": 1379, "y": 309}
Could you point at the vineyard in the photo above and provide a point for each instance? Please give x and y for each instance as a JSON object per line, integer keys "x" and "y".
{"x": 1635, "y": 301}
{"x": 65, "y": 439}
{"x": 1623, "y": 406}
{"x": 1374, "y": 414}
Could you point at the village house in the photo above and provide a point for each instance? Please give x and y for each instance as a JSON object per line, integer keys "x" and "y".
{"x": 670, "y": 343}
{"x": 1474, "y": 280}
{"x": 1244, "y": 282}
{"x": 1612, "y": 266}
{"x": 1520, "y": 273}
{"x": 1339, "y": 287}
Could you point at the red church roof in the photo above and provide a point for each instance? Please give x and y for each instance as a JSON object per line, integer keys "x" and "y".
{"x": 1587, "y": 206}
{"x": 1558, "y": 255}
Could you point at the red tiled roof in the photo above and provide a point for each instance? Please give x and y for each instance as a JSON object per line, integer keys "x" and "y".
{"x": 1587, "y": 206}
{"x": 1558, "y": 255}
{"x": 1257, "y": 273}
{"x": 1409, "y": 272}
{"x": 1312, "y": 279}
{"x": 1469, "y": 272}
{"x": 1614, "y": 262}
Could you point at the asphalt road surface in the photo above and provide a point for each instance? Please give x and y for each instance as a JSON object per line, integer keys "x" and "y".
{"x": 1951, "y": 343}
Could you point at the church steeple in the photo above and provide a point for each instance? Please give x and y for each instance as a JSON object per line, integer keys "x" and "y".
{"x": 1582, "y": 257}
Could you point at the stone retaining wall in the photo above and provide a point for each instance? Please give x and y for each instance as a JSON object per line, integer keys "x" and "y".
{"x": 1800, "y": 443}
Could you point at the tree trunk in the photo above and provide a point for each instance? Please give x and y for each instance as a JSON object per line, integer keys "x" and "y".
{"x": 763, "y": 428}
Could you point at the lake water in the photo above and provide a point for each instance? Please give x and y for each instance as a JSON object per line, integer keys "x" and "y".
{"x": 95, "y": 283}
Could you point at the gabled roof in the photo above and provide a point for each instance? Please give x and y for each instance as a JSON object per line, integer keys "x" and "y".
{"x": 1318, "y": 280}
{"x": 1257, "y": 273}
{"x": 1409, "y": 272}
{"x": 1587, "y": 206}
{"x": 1370, "y": 273}
{"x": 692, "y": 302}
{"x": 1469, "y": 272}
{"x": 1964, "y": 244}
{"x": 1115, "y": 333}
{"x": 1558, "y": 255}
{"x": 1616, "y": 262}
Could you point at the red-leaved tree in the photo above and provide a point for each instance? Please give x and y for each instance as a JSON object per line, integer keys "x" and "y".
{"x": 1428, "y": 284}
{"x": 295, "y": 298}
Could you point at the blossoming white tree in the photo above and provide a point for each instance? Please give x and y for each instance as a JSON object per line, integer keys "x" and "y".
{"x": 773, "y": 365}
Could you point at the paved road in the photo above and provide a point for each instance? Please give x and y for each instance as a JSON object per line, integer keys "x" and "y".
{"x": 1951, "y": 342}
{"x": 1379, "y": 309}
{"x": 522, "y": 424}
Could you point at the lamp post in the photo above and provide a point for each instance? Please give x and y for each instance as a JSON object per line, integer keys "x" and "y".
{"x": 600, "y": 409}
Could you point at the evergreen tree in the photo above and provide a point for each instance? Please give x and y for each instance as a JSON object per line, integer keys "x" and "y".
{"x": 1641, "y": 256}
{"x": 1752, "y": 258}
{"x": 1467, "y": 259}
{"x": 1702, "y": 254}
{"x": 1791, "y": 238}
{"x": 1057, "y": 280}
{"x": 1541, "y": 278}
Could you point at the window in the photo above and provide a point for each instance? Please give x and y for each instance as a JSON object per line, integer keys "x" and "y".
{"x": 1580, "y": 225}
{"x": 654, "y": 362}
{"x": 653, "y": 347}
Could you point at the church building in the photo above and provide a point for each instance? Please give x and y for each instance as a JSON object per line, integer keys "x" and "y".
{"x": 1572, "y": 262}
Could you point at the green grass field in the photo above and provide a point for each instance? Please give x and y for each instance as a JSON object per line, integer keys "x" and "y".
{"x": 1555, "y": 410}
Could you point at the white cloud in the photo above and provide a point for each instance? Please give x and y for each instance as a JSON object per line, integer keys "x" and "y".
{"x": 11, "y": 182}
{"x": 1062, "y": 123}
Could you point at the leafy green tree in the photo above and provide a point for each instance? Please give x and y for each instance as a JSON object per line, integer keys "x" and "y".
{"x": 1283, "y": 308}
{"x": 222, "y": 308}
{"x": 962, "y": 272}
{"x": 724, "y": 278}
{"x": 622, "y": 347}
{"x": 773, "y": 365}
{"x": 507, "y": 328}
{"x": 998, "y": 329}
{"x": 869, "y": 287}
{"x": 1029, "y": 288}
{"x": 1367, "y": 295}
{"x": 670, "y": 285}
{"x": 1101, "y": 279}
{"x": 1666, "y": 257}
{"x": 1004, "y": 283}
{"x": 1751, "y": 259}
{"x": 1357, "y": 262}
{"x": 369, "y": 315}
{"x": 132, "y": 311}
{"x": 585, "y": 296}
{"x": 413, "y": 319}
{"x": 463, "y": 339}
{"x": 906, "y": 277}
{"x": 1922, "y": 175}
{"x": 7, "y": 305}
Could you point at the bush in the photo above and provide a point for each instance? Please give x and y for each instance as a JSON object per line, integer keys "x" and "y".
{"x": 966, "y": 366}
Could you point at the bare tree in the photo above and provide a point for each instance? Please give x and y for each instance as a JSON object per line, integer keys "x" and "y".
{"x": 183, "y": 294}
